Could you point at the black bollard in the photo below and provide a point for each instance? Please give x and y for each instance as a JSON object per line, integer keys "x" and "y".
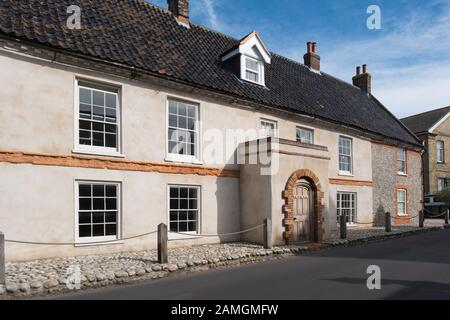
{"x": 343, "y": 225}
{"x": 388, "y": 223}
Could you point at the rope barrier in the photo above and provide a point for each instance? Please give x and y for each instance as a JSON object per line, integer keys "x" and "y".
{"x": 73, "y": 243}
{"x": 130, "y": 238}
{"x": 435, "y": 216}
{"x": 219, "y": 235}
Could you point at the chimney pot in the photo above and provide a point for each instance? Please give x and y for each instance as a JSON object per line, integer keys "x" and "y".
{"x": 311, "y": 58}
{"x": 180, "y": 9}
{"x": 363, "y": 80}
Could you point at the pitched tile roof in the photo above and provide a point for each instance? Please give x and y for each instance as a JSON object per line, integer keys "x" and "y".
{"x": 423, "y": 122}
{"x": 144, "y": 36}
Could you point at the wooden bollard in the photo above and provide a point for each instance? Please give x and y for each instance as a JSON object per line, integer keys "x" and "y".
{"x": 2, "y": 259}
{"x": 268, "y": 233}
{"x": 162, "y": 243}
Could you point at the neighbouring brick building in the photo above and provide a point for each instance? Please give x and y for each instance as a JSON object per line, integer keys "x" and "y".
{"x": 382, "y": 157}
{"x": 108, "y": 130}
{"x": 433, "y": 128}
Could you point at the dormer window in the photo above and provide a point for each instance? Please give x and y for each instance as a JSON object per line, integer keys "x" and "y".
{"x": 253, "y": 68}
{"x": 247, "y": 59}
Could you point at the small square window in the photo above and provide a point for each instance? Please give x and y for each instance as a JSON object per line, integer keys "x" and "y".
{"x": 304, "y": 135}
{"x": 253, "y": 70}
{"x": 268, "y": 128}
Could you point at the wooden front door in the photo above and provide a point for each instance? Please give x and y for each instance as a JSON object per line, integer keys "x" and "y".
{"x": 303, "y": 212}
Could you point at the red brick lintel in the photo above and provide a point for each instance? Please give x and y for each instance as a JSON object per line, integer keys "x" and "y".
{"x": 73, "y": 161}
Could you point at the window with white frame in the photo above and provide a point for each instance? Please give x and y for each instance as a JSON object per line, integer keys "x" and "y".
{"x": 440, "y": 151}
{"x": 346, "y": 205}
{"x": 183, "y": 130}
{"x": 98, "y": 119}
{"x": 305, "y": 135}
{"x": 253, "y": 70}
{"x": 184, "y": 204}
{"x": 345, "y": 155}
{"x": 268, "y": 128}
{"x": 401, "y": 161}
{"x": 441, "y": 184}
{"x": 98, "y": 211}
{"x": 401, "y": 202}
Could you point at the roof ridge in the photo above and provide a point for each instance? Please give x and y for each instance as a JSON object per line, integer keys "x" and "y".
{"x": 423, "y": 113}
{"x": 322, "y": 72}
{"x": 144, "y": 2}
{"x": 399, "y": 121}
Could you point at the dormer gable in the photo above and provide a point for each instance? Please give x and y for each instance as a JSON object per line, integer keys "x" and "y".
{"x": 248, "y": 59}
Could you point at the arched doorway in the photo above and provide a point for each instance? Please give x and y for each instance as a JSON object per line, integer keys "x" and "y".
{"x": 303, "y": 220}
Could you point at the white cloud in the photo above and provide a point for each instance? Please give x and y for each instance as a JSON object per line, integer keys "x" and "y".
{"x": 410, "y": 65}
{"x": 212, "y": 16}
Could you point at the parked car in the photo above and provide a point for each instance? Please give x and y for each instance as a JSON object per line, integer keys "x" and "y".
{"x": 434, "y": 207}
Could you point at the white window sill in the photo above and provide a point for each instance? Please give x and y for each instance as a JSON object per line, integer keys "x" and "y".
{"x": 92, "y": 243}
{"x": 98, "y": 153}
{"x": 402, "y": 174}
{"x": 346, "y": 174}
{"x": 254, "y": 82}
{"x": 175, "y": 236}
{"x": 402, "y": 215}
{"x": 181, "y": 159}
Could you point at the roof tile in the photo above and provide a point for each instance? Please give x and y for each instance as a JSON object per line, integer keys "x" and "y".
{"x": 142, "y": 35}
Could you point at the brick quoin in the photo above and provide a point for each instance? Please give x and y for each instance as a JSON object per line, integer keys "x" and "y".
{"x": 288, "y": 207}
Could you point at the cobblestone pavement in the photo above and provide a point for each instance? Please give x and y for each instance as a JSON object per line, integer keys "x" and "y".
{"x": 63, "y": 274}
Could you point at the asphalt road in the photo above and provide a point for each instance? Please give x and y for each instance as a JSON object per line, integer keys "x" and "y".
{"x": 416, "y": 267}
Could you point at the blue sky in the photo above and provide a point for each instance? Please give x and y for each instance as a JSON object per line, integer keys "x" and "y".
{"x": 409, "y": 58}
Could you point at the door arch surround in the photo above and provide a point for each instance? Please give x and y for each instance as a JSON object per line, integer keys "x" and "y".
{"x": 288, "y": 207}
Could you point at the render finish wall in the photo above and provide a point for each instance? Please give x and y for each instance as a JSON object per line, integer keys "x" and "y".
{"x": 37, "y": 116}
{"x": 38, "y": 204}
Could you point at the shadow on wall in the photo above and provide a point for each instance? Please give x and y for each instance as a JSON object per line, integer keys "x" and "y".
{"x": 379, "y": 217}
{"x": 228, "y": 207}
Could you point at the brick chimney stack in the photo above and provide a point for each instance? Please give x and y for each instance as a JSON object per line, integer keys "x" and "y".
{"x": 180, "y": 9}
{"x": 312, "y": 59}
{"x": 363, "y": 80}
